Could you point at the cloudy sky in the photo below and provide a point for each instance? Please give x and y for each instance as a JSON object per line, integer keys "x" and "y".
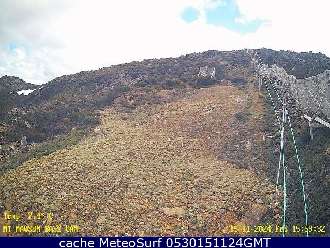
{"x": 43, "y": 39}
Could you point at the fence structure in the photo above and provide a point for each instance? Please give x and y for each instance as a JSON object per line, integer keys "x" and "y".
{"x": 312, "y": 97}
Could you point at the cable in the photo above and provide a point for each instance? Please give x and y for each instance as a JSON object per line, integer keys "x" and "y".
{"x": 284, "y": 167}
{"x": 273, "y": 103}
{"x": 281, "y": 162}
{"x": 286, "y": 119}
{"x": 300, "y": 172}
{"x": 299, "y": 166}
{"x": 282, "y": 135}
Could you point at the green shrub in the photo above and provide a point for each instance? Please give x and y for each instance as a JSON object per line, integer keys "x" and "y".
{"x": 42, "y": 149}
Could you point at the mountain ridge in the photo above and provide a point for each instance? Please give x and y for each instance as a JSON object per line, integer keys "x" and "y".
{"x": 74, "y": 98}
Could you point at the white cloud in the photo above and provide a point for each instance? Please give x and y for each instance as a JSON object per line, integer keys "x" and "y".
{"x": 56, "y": 37}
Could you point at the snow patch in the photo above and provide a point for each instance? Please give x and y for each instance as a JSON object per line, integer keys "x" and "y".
{"x": 24, "y": 92}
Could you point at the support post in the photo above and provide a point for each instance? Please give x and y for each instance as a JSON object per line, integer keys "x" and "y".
{"x": 310, "y": 129}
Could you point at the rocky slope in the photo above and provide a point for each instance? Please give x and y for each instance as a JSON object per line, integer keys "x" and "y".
{"x": 14, "y": 84}
{"x": 200, "y": 148}
{"x": 9, "y": 86}
{"x": 70, "y": 101}
{"x": 161, "y": 169}
{"x": 310, "y": 95}
{"x": 300, "y": 65}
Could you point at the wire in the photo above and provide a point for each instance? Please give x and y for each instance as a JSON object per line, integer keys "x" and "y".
{"x": 273, "y": 103}
{"x": 286, "y": 119}
{"x": 284, "y": 167}
{"x": 282, "y": 159}
{"x": 300, "y": 172}
{"x": 299, "y": 166}
{"x": 282, "y": 134}
{"x": 281, "y": 162}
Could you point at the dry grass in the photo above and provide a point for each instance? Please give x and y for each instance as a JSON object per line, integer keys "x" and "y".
{"x": 155, "y": 171}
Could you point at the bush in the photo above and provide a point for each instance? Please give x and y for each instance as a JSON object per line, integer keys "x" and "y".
{"x": 42, "y": 149}
{"x": 204, "y": 82}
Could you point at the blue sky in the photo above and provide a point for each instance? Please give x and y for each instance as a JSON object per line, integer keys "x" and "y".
{"x": 12, "y": 46}
{"x": 190, "y": 14}
{"x": 226, "y": 14}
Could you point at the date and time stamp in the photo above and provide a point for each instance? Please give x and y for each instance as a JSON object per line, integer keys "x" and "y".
{"x": 13, "y": 224}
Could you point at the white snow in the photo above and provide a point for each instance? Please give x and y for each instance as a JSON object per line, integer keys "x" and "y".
{"x": 25, "y": 92}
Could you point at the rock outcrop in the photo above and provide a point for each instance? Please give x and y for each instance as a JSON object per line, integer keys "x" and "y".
{"x": 311, "y": 94}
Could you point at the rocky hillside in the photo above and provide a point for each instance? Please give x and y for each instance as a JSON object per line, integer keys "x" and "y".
{"x": 309, "y": 95}
{"x": 10, "y": 98}
{"x": 166, "y": 168}
{"x": 70, "y": 101}
{"x": 300, "y": 65}
{"x": 170, "y": 130}
{"x": 14, "y": 84}
{"x": 9, "y": 86}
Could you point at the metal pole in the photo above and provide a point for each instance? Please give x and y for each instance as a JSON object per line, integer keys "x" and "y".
{"x": 311, "y": 129}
